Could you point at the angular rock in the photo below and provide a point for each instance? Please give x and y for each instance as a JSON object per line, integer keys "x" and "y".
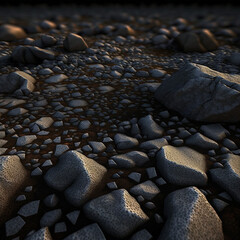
{"x": 44, "y": 122}
{"x": 50, "y": 218}
{"x": 228, "y": 177}
{"x": 31, "y": 54}
{"x": 199, "y": 140}
{"x": 182, "y": 166}
{"x": 146, "y": 189}
{"x": 154, "y": 144}
{"x": 24, "y": 140}
{"x": 12, "y": 176}
{"x": 92, "y": 232}
{"x": 14, "y": 225}
{"x": 17, "y": 82}
{"x": 117, "y": 213}
{"x": 124, "y": 142}
{"x": 214, "y": 131}
{"x": 10, "y": 32}
{"x": 202, "y": 94}
{"x": 97, "y": 147}
{"x": 190, "y": 216}
{"x": 29, "y": 209}
{"x": 74, "y": 42}
{"x": 56, "y": 78}
{"x": 130, "y": 159}
{"x": 76, "y": 175}
{"x": 150, "y": 128}
{"x": 42, "y": 234}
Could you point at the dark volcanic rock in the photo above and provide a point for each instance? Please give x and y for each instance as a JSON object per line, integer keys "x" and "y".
{"x": 11, "y": 33}
{"x": 202, "y": 94}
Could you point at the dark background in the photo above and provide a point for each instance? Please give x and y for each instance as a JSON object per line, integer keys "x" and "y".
{"x": 132, "y": 2}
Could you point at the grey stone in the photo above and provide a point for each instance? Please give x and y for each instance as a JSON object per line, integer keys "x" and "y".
{"x": 60, "y": 227}
{"x": 19, "y": 83}
{"x": 154, "y": 144}
{"x": 17, "y": 111}
{"x": 74, "y": 42}
{"x": 135, "y": 176}
{"x": 14, "y": 225}
{"x": 130, "y": 159}
{"x": 118, "y": 213}
{"x": 44, "y": 122}
{"x": 83, "y": 125}
{"x": 219, "y": 204}
{"x": 190, "y": 216}
{"x": 97, "y": 147}
{"x": 51, "y": 200}
{"x": 50, "y": 218}
{"x": 56, "y": 78}
{"x": 228, "y": 177}
{"x": 230, "y": 144}
{"x": 201, "y": 141}
{"x": 124, "y": 142}
{"x": 77, "y": 103}
{"x": 182, "y": 166}
{"x": 24, "y": 140}
{"x": 146, "y": 189}
{"x": 141, "y": 235}
{"x": 41, "y": 234}
{"x": 76, "y": 175}
{"x": 29, "y": 209}
{"x": 214, "y": 131}
{"x": 60, "y": 149}
{"x": 151, "y": 172}
{"x": 202, "y": 94}
{"x": 73, "y": 216}
{"x": 150, "y": 128}
{"x": 90, "y": 232}
{"x": 10, "y": 32}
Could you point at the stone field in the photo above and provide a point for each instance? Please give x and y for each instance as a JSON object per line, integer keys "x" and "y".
{"x": 119, "y": 122}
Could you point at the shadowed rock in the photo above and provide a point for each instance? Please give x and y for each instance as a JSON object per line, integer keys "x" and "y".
{"x": 76, "y": 175}
{"x": 74, "y": 42}
{"x": 10, "y": 32}
{"x": 202, "y": 94}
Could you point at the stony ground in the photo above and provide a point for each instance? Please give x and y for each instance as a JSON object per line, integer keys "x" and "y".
{"x": 87, "y": 152}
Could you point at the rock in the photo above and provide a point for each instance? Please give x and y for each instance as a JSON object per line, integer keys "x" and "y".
{"x": 141, "y": 235}
{"x": 50, "y": 218}
{"x": 235, "y": 59}
{"x": 91, "y": 231}
{"x": 60, "y": 227}
{"x": 12, "y": 177}
{"x": 56, "y": 78}
{"x": 124, "y": 30}
{"x": 130, "y": 159}
{"x": 44, "y": 122}
{"x": 228, "y": 177}
{"x": 74, "y": 42}
{"x": 31, "y": 54}
{"x": 17, "y": 82}
{"x": 214, "y": 131}
{"x": 46, "y": 24}
{"x": 150, "y": 128}
{"x": 182, "y": 166}
{"x": 14, "y": 225}
{"x": 42, "y": 234}
{"x": 230, "y": 144}
{"x": 51, "y": 200}
{"x": 48, "y": 41}
{"x": 202, "y": 94}
{"x": 124, "y": 142}
{"x": 60, "y": 149}
{"x": 76, "y": 175}
{"x": 77, "y": 103}
{"x": 83, "y": 125}
{"x": 190, "y": 216}
{"x": 199, "y": 140}
{"x": 10, "y": 32}
{"x": 197, "y": 42}
{"x": 73, "y": 216}
{"x": 159, "y": 39}
{"x": 97, "y": 147}
{"x": 17, "y": 111}
{"x": 117, "y": 213}
{"x": 146, "y": 189}
{"x": 24, "y": 140}
{"x": 29, "y": 209}
{"x": 154, "y": 144}
{"x": 135, "y": 176}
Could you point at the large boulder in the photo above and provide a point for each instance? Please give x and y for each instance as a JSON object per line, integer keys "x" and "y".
{"x": 228, "y": 177}
{"x": 10, "y": 32}
{"x": 190, "y": 216}
{"x": 31, "y": 54}
{"x": 12, "y": 177}
{"x": 118, "y": 213}
{"x": 182, "y": 166}
{"x": 201, "y": 41}
{"x": 76, "y": 175}
{"x": 202, "y": 94}
{"x": 17, "y": 82}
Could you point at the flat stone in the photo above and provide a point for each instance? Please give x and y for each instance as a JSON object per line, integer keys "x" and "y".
{"x": 50, "y": 218}
{"x": 73, "y": 216}
{"x": 117, "y": 213}
{"x": 91, "y": 231}
{"x": 14, "y": 225}
{"x": 154, "y": 144}
{"x": 190, "y": 216}
{"x": 24, "y": 140}
{"x": 228, "y": 177}
{"x": 83, "y": 125}
{"x": 214, "y": 131}
{"x": 97, "y": 147}
{"x": 124, "y": 142}
{"x": 41, "y": 234}
{"x": 74, "y": 42}
{"x": 130, "y": 159}
{"x": 182, "y": 166}
{"x": 142, "y": 235}
{"x": 44, "y": 122}
{"x": 29, "y": 209}
{"x": 17, "y": 111}
{"x": 76, "y": 175}
{"x": 77, "y": 103}
{"x": 56, "y": 78}
{"x": 146, "y": 189}
{"x": 60, "y": 149}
